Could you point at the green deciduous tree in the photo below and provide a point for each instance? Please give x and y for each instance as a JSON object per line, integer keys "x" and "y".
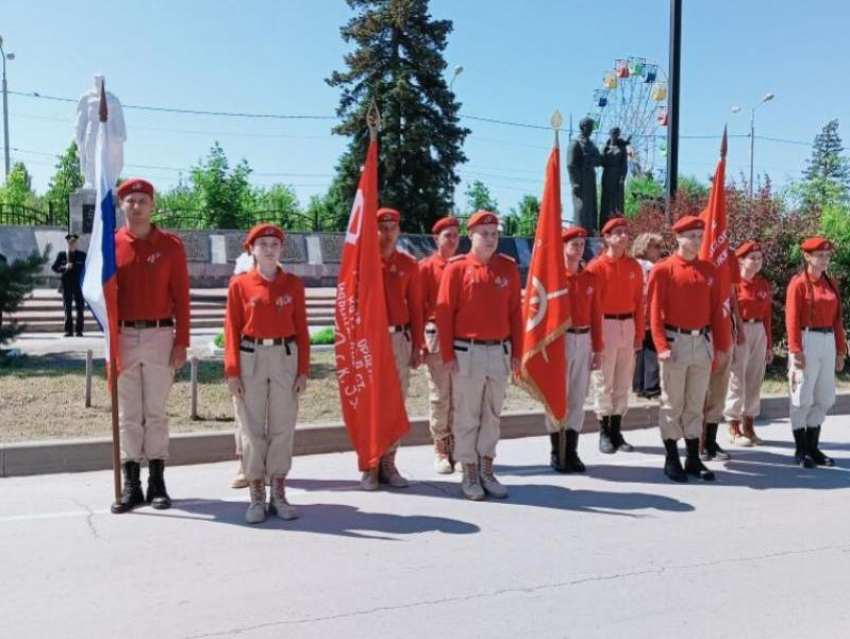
{"x": 67, "y": 179}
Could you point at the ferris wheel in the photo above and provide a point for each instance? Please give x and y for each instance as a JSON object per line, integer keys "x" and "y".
{"x": 633, "y": 97}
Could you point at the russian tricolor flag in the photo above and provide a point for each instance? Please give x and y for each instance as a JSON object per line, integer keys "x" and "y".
{"x": 100, "y": 283}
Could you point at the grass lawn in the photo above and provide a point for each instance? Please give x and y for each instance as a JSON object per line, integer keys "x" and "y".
{"x": 44, "y": 398}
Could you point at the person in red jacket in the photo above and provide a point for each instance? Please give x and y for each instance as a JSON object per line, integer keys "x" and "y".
{"x": 817, "y": 348}
{"x": 753, "y": 353}
{"x": 153, "y": 322}
{"x": 479, "y": 321}
{"x": 446, "y": 232}
{"x": 583, "y": 343}
{"x": 686, "y": 315}
{"x": 403, "y": 295}
{"x": 266, "y": 362}
{"x": 619, "y": 278}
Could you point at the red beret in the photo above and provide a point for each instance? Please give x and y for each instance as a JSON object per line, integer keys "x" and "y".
{"x": 444, "y": 223}
{"x": 482, "y": 217}
{"x": 746, "y": 248}
{"x": 817, "y": 244}
{"x": 134, "y": 185}
{"x": 262, "y": 230}
{"x": 572, "y": 233}
{"x": 388, "y": 215}
{"x": 688, "y": 223}
{"x": 614, "y": 223}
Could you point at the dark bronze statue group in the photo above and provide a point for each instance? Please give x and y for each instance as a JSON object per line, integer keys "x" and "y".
{"x": 583, "y": 158}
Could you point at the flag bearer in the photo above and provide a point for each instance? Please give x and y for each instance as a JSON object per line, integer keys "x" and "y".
{"x": 752, "y": 353}
{"x": 479, "y": 321}
{"x": 619, "y": 278}
{"x": 817, "y": 349}
{"x": 584, "y": 350}
{"x": 267, "y": 361}
{"x": 686, "y": 315}
{"x": 153, "y": 320}
{"x": 446, "y": 232}
{"x": 403, "y": 294}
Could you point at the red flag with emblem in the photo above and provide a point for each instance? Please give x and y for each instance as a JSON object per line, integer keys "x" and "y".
{"x": 715, "y": 241}
{"x": 370, "y": 391}
{"x": 546, "y": 307}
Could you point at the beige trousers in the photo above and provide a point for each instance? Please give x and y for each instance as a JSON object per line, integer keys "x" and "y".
{"x": 684, "y": 384}
{"x": 747, "y": 374}
{"x": 613, "y": 382}
{"x": 578, "y": 380}
{"x": 402, "y": 348}
{"x": 816, "y": 394}
{"x": 478, "y": 392}
{"x": 718, "y": 387}
{"x": 268, "y": 410}
{"x": 143, "y": 387}
{"x": 439, "y": 387}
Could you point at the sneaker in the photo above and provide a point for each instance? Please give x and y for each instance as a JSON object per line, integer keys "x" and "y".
{"x": 239, "y": 481}
{"x": 256, "y": 513}
{"x": 736, "y": 437}
{"x": 471, "y": 484}
{"x": 489, "y": 481}
{"x": 750, "y": 432}
{"x": 442, "y": 458}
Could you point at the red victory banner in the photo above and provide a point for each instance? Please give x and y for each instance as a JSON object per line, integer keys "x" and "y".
{"x": 546, "y": 307}
{"x": 715, "y": 242}
{"x": 370, "y": 391}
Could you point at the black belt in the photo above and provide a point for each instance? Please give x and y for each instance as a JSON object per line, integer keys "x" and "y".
{"x": 622, "y": 316}
{"x": 147, "y": 323}
{"x": 687, "y": 331}
{"x": 818, "y": 329}
{"x": 268, "y": 341}
{"x": 481, "y": 342}
{"x": 398, "y": 328}
{"x": 581, "y": 330}
{"x": 430, "y": 331}
{"x": 753, "y": 321}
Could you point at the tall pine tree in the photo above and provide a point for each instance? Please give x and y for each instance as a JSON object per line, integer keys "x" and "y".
{"x": 398, "y": 62}
{"x": 828, "y": 169}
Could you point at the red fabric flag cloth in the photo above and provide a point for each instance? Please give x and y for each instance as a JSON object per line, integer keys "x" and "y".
{"x": 715, "y": 241}
{"x": 546, "y": 307}
{"x": 370, "y": 391}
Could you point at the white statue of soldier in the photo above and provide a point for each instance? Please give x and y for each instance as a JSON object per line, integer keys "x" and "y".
{"x": 87, "y": 123}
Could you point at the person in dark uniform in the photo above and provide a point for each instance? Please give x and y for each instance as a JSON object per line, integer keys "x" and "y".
{"x": 70, "y": 265}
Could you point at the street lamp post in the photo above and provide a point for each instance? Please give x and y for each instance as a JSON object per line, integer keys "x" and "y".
{"x": 458, "y": 71}
{"x": 5, "y": 56}
{"x": 736, "y": 109}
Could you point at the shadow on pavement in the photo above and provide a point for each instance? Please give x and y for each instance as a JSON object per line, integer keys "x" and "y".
{"x": 327, "y": 519}
{"x": 535, "y": 495}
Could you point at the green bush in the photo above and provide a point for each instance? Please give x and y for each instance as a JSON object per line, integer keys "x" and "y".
{"x": 324, "y": 336}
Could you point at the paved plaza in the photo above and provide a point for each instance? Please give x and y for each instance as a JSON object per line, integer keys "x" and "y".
{"x": 620, "y": 552}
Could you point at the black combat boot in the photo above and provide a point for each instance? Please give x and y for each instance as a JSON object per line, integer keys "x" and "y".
{"x": 574, "y": 463}
{"x": 672, "y": 464}
{"x": 693, "y": 464}
{"x": 557, "y": 458}
{"x": 617, "y": 435}
{"x": 131, "y": 495}
{"x": 605, "y": 444}
{"x": 801, "y": 449}
{"x": 711, "y": 449}
{"x": 812, "y": 442}
{"x": 157, "y": 495}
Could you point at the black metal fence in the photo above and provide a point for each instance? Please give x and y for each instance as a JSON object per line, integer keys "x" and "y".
{"x": 52, "y": 215}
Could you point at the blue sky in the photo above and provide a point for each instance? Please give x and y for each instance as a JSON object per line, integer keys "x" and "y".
{"x": 521, "y": 61}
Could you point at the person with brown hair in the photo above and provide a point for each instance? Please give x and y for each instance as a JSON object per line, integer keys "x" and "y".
{"x": 647, "y": 249}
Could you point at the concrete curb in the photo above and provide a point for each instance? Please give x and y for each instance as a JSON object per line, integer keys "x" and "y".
{"x": 79, "y": 455}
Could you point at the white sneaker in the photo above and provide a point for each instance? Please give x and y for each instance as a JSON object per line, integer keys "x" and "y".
{"x": 278, "y": 505}
{"x": 488, "y": 480}
{"x": 470, "y": 485}
{"x": 256, "y": 513}
{"x": 442, "y": 462}
{"x": 369, "y": 480}
{"x": 239, "y": 481}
